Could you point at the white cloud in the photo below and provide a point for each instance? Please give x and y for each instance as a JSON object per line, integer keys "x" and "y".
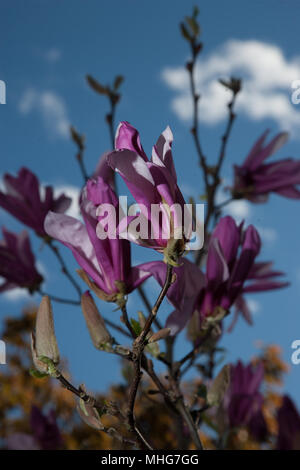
{"x": 254, "y": 306}
{"x": 51, "y": 107}
{"x": 268, "y": 234}
{"x": 267, "y": 78}
{"x": 53, "y": 55}
{"x": 15, "y": 295}
{"x": 239, "y": 209}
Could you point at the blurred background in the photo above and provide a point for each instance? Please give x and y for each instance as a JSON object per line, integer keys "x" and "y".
{"x": 47, "y": 48}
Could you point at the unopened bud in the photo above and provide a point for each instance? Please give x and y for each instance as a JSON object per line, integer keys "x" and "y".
{"x": 161, "y": 334}
{"x": 43, "y": 344}
{"x": 219, "y": 386}
{"x": 95, "y": 323}
{"x": 89, "y": 415}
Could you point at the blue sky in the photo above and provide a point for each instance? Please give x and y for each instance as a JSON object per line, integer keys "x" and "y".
{"x": 47, "y": 49}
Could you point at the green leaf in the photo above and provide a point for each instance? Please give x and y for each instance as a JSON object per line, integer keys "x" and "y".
{"x": 136, "y": 326}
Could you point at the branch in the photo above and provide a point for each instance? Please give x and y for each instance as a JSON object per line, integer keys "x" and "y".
{"x": 139, "y": 345}
{"x": 195, "y": 129}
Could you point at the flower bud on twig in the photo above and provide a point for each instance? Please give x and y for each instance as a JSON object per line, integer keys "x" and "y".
{"x": 44, "y": 346}
{"x": 219, "y": 386}
{"x": 95, "y": 323}
{"x": 161, "y": 334}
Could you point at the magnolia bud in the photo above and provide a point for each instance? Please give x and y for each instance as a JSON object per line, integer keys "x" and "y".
{"x": 43, "y": 344}
{"x": 219, "y": 386}
{"x": 161, "y": 334}
{"x": 95, "y": 323}
{"x": 88, "y": 413}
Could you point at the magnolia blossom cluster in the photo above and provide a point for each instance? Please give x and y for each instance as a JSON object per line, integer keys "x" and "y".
{"x": 232, "y": 269}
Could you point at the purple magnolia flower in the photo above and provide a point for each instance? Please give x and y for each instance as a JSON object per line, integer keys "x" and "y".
{"x": 254, "y": 180}
{"x": 23, "y": 200}
{"x": 260, "y": 279}
{"x": 17, "y": 263}
{"x": 45, "y": 429}
{"x": 289, "y": 426}
{"x": 227, "y": 266}
{"x": 45, "y": 433}
{"x": 106, "y": 261}
{"x": 105, "y": 171}
{"x": 153, "y": 184}
{"x": 243, "y": 400}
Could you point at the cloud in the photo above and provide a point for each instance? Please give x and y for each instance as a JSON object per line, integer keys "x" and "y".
{"x": 253, "y": 305}
{"x": 267, "y": 79}
{"x": 267, "y": 234}
{"x": 53, "y": 55}
{"x": 50, "y": 106}
{"x": 239, "y": 209}
{"x": 16, "y": 295}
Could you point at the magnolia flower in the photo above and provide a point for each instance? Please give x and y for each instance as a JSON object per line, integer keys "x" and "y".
{"x": 243, "y": 400}
{"x": 153, "y": 184}
{"x": 45, "y": 433}
{"x": 289, "y": 426}
{"x": 230, "y": 259}
{"x": 104, "y": 171}
{"x": 254, "y": 180}
{"x": 106, "y": 263}
{"x": 260, "y": 279}
{"x": 23, "y": 200}
{"x": 17, "y": 263}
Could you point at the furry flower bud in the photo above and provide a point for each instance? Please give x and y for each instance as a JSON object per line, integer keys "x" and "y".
{"x": 95, "y": 323}
{"x": 44, "y": 346}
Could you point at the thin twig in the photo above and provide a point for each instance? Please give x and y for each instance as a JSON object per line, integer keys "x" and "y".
{"x": 61, "y": 300}
{"x": 195, "y": 98}
{"x": 117, "y": 327}
{"x": 186, "y": 415}
{"x": 64, "y": 268}
{"x": 127, "y": 322}
{"x": 139, "y": 345}
{"x": 211, "y": 208}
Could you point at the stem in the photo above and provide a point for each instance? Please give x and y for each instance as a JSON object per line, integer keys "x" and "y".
{"x": 211, "y": 208}
{"x": 79, "y": 393}
{"x": 186, "y": 415}
{"x": 82, "y": 166}
{"x": 127, "y": 322}
{"x": 117, "y": 327}
{"x": 223, "y": 204}
{"x": 111, "y": 121}
{"x": 139, "y": 345}
{"x": 61, "y": 300}
{"x": 64, "y": 268}
{"x": 195, "y": 128}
